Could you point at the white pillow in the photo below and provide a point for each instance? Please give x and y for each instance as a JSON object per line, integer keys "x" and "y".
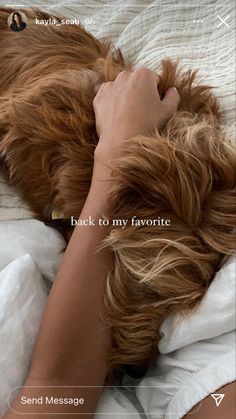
{"x": 23, "y": 296}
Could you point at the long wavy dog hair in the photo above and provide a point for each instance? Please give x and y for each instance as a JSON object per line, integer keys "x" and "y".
{"x": 185, "y": 172}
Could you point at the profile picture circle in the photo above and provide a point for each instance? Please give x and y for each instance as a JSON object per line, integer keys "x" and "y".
{"x": 17, "y": 21}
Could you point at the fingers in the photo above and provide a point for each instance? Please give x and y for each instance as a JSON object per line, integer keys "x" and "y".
{"x": 144, "y": 72}
{"x": 100, "y": 91}
{"x": 146, "y": 80}
{"x": 123, "y": 75}
{"x": 171, "y": 101}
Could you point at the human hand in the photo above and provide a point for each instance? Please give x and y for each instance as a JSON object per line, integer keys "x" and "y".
{"x": 130, "y": 106}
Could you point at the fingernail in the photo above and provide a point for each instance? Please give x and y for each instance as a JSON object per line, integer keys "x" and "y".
{"x": 174, "y": 88}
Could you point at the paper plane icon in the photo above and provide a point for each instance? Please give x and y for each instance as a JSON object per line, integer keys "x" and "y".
{"x": 218, "y": 398}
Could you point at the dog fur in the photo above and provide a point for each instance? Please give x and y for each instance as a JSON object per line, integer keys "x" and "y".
{"x": 185, "y": 172}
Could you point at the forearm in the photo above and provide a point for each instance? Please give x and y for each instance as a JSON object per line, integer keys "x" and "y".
{"x": 72, "y": 323}
{"x": 73, "y": 341}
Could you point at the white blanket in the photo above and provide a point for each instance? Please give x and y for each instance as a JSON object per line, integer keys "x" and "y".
{"x": 29, "y": 253}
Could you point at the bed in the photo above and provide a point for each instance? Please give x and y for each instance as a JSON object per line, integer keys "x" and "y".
{"x": 202, "y": 36}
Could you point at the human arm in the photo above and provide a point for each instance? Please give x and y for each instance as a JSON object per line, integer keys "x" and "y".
{"x": 73, "y": 341}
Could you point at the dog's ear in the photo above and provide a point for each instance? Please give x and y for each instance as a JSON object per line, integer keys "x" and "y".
{"x": 188, "y": 176}
{"x": 195, "y": 96}
{"x": 42, "y": 127}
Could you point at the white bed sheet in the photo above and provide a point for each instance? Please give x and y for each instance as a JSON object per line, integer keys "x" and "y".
{"x": 30, "y": 253}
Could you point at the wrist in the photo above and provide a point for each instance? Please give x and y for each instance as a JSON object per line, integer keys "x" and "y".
{"x": 111, "y": 147}
{"x": 102, "y": 171}
{"x": 98, "y": 207}
{"x": 98, "y": 196}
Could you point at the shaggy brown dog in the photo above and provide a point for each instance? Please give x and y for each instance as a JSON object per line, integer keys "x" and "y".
{"x": 185, "y": 172}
